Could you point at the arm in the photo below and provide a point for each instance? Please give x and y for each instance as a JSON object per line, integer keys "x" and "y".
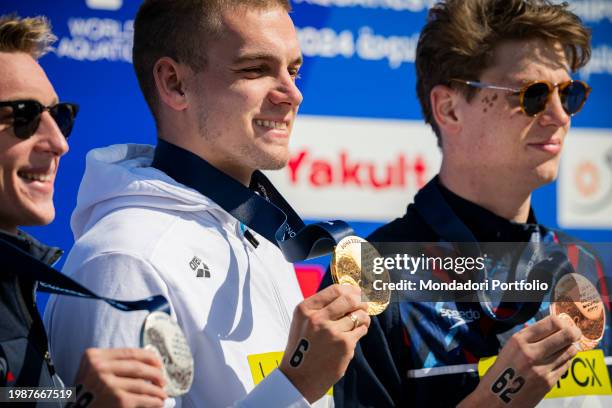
{"x": 321, "y": 343}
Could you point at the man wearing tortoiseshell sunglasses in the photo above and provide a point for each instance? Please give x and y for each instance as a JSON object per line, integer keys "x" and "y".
{"x": 493, "y": 80}
{"x": 34, "y": 129}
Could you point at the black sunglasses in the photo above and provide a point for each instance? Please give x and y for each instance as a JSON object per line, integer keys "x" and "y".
{"x": 535, "y": 95}
{"x": 26, "y": 116}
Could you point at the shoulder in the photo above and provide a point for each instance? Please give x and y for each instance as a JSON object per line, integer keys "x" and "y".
{"x": 408, "y": 228}
{"x": 149, "y": 234}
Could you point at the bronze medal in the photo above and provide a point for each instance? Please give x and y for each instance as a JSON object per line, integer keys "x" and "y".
{"x": 577, "y": 298}
{"x": 346, "y": 268}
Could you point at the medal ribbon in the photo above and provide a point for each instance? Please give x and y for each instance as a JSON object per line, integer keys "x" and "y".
{"x": 260, "y": 207}
{"x": 52, "y": 281}
{"x": 549, "y": 268}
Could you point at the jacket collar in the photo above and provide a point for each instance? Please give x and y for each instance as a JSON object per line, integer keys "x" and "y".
{"x": 458, "y": 220}
{"x": 485, "y": 225}
{"x": 32, "y": 246}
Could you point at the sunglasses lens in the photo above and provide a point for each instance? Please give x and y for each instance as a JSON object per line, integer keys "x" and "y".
{"x": 534, "y": 100}
{"x": 26, "y": 118}
{"x": 64, "y": 114}
{"x": 573, "y": 97}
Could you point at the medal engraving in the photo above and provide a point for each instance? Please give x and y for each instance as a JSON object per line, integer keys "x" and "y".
{"x": 163, "y": 336}
{"x": 575, "y": 297}
{"x": 349, "y": 256}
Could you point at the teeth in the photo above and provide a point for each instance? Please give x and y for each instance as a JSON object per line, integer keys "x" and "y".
{"x": 36, "y": 177}
{"x": 271, "y": 124}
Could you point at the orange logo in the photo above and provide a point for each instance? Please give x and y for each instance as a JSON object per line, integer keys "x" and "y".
{"x": 586, "y": 178}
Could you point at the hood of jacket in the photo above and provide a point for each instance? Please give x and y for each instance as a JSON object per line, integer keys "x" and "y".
{"x": 120, "y": 176}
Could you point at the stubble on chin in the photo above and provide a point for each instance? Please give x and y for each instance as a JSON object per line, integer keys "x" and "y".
{"x": 265, "y": 160}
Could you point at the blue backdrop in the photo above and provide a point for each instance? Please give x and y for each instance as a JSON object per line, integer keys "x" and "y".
{"x": 358, "y": 64}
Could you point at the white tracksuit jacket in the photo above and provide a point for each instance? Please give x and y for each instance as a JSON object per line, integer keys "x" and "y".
{"x": 140, "y": 233}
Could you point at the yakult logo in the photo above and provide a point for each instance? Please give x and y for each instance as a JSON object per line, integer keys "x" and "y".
{"x": 335, "y": 166}
{"x": 343, "y": 170}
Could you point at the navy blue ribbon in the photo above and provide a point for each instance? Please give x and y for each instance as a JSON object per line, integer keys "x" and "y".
{"x": 441, "y": 218}
{"x": 260, "y": 207}
{"x": 52, "y": 281}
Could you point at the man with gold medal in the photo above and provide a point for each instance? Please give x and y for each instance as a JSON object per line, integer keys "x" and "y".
{"x": 194, "y": 219}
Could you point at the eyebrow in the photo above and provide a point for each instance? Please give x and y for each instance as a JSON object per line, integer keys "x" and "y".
{"x": 263, "y": 56}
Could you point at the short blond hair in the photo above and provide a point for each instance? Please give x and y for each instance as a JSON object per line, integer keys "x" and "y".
{"x": 31, "y": 35}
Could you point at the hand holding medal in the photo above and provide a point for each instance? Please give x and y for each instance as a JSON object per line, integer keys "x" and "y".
{"x": 325, "y": 329}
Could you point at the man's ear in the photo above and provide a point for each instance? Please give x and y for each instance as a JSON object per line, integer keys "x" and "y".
{"x": 170, "y": 82}
{"x": 444, "y": 102}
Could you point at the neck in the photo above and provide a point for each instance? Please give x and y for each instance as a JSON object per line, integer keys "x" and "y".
{"x": 502, "y": 197}
{"x": 240, "y": 174}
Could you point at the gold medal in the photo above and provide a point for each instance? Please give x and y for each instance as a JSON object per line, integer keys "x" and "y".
{"x": 576, "y": 298}
{"x": 346, "y": 268}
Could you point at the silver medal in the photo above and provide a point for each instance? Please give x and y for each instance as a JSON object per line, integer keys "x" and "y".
{"x": 164, "y": 337}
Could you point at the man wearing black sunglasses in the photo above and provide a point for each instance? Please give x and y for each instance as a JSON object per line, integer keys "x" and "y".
{"x": 34, "y": 129}
{"x": 28, "y": 112}
{"x": 493, "y": 80}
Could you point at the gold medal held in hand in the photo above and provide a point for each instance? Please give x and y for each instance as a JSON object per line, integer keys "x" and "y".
{"x": 576, "y": 298}
{"x": 349, "y": 256}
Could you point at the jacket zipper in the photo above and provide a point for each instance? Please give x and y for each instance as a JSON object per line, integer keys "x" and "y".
{"x": 280, "y": 304}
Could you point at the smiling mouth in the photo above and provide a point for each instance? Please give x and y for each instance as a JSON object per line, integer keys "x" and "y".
{"x": 271, "y": 124}
{"x": 43, "y": 177}
{"x": 548, "y": 142}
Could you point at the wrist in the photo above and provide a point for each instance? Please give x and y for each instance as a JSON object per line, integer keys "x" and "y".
{"x": 480, "y": 397}
{"x": 300, "y": 383}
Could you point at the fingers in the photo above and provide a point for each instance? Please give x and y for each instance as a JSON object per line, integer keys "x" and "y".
{"x": 359, "y": 331}
{"x": 558, "y": 372}
{"x": 140, "y": 387}
{"x": 559, "y": 341}
{"x": 545, "y": 327}
{"x": 143, "y": 401}
{"x": 561, "y": 364}
{"x": 329, "y": 294}
{"x": 344, "y": 304}
{"x": 136, "y": 369}
{"x": 126, "y": 377}
{"x": 145, "y": 356}
{"x": 346, "y": 311}
{"x": 354, "y": 320}
{"x": 563, "y": 358}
